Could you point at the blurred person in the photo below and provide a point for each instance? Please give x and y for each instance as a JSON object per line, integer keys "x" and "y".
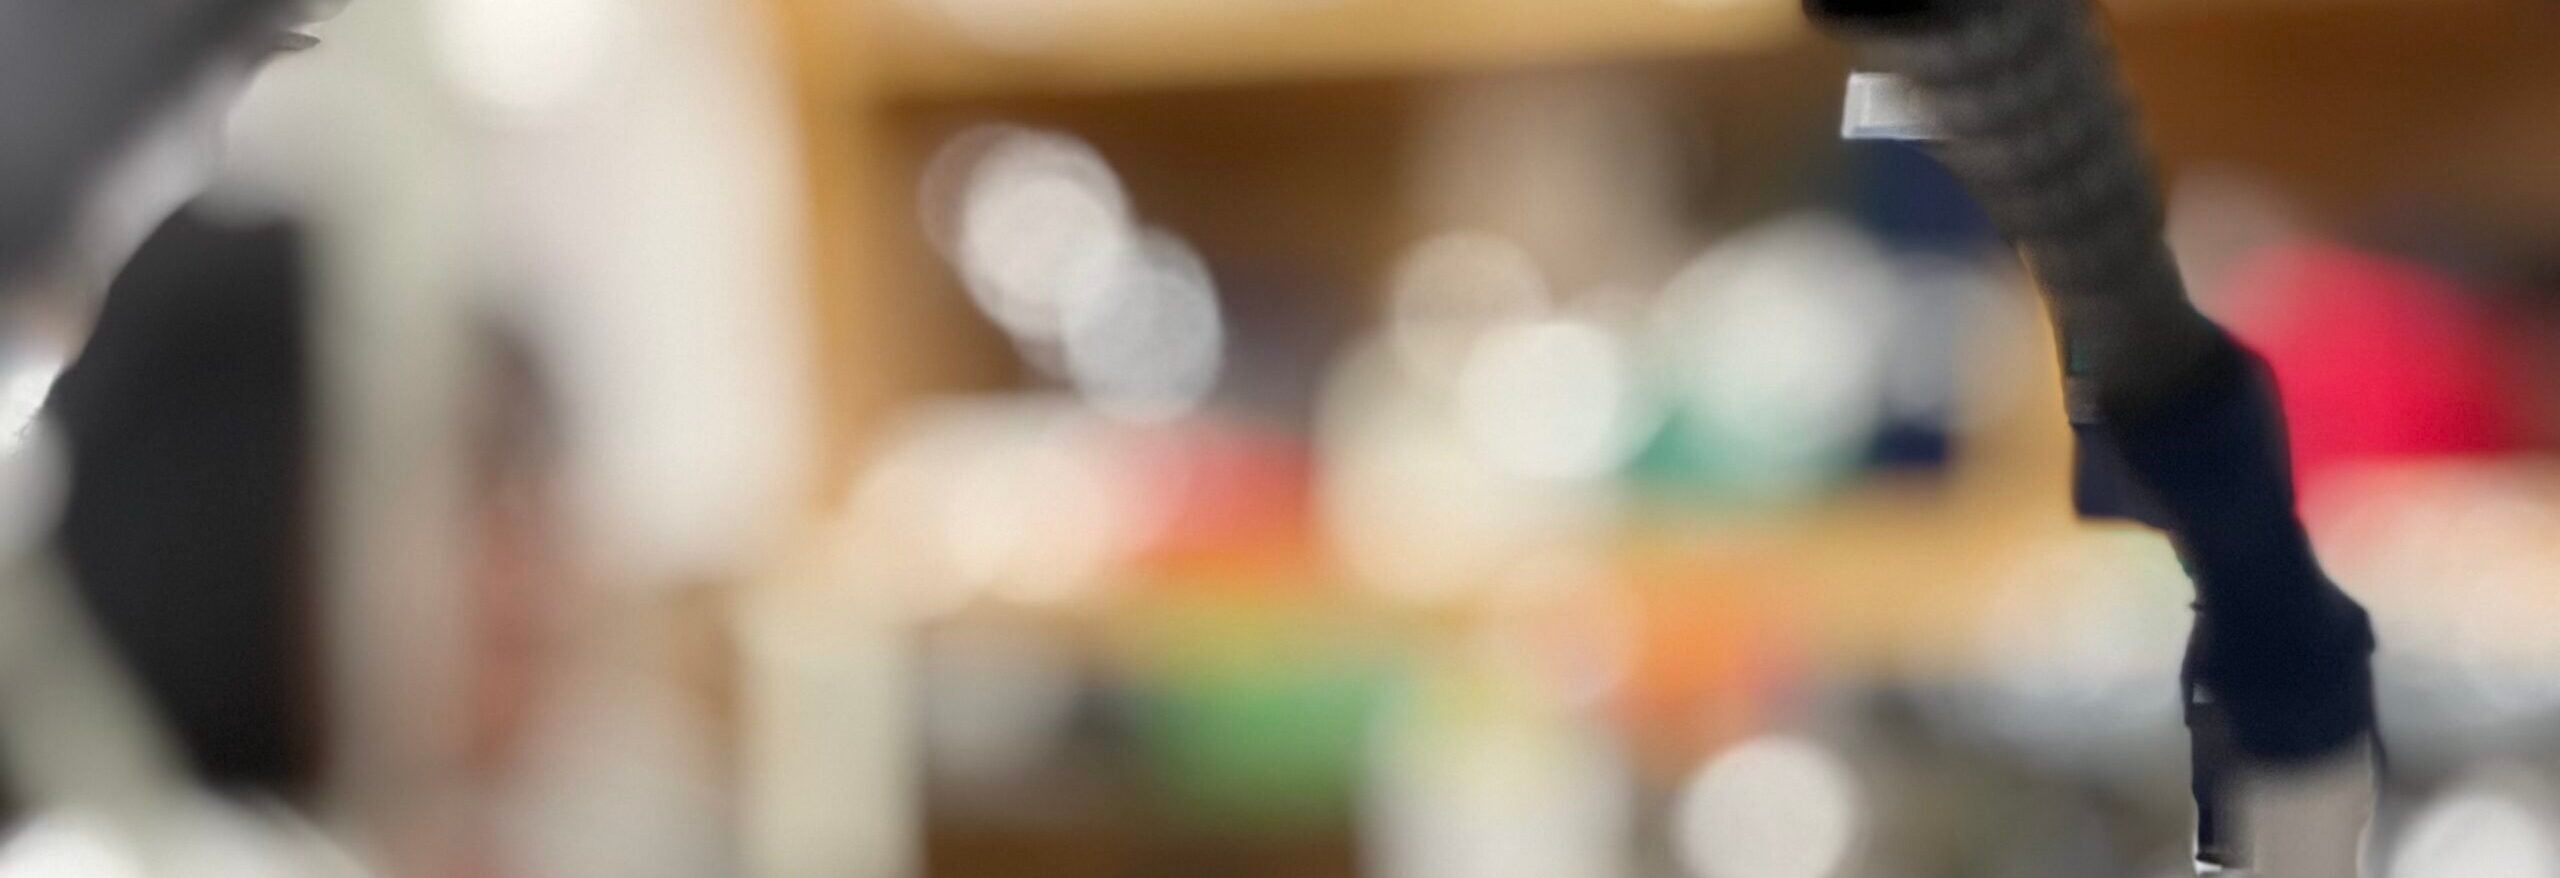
{"x": 516, "y": 578}
{"x": 197, "y": 607}
{"x": 578, "y": 754}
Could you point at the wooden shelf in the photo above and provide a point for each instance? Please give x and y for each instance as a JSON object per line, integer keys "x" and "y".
{"x": 926, "y": 49}
{"x": 1084, "y": 46}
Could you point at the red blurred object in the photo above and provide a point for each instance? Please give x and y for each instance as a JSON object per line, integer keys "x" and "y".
{"x": 2378, "y": 359}
{"x": 1231, "y": 503}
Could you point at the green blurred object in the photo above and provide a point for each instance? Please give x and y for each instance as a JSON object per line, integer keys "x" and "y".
{"x": 1256, "y": 714}
{"x": 1690, "y": 462}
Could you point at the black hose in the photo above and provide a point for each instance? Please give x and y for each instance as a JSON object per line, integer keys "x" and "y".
{"x": 76, "y": 78}
{"x": 2024, "y": 95}
{"x": 2026, "y": 98}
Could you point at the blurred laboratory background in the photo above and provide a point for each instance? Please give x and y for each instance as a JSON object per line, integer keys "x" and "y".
{"x": 1271, "y": 439}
